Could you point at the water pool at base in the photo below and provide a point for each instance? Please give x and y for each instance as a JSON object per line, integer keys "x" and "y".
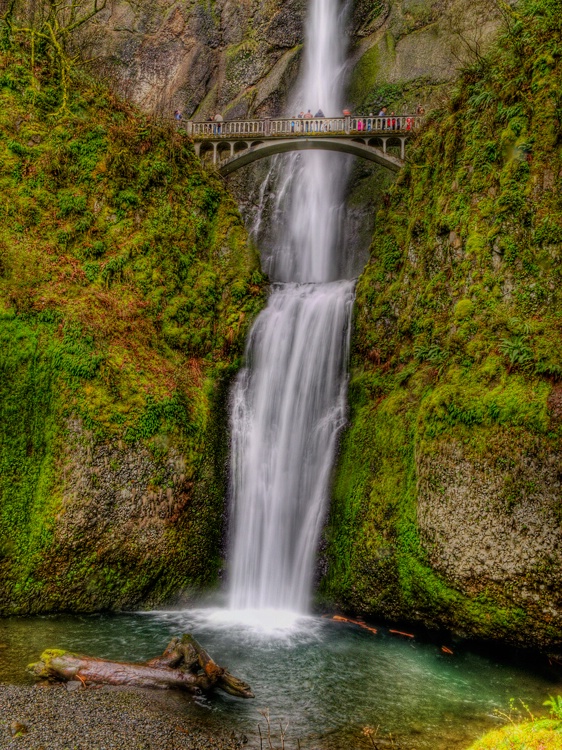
{"x": 329, "y": 680}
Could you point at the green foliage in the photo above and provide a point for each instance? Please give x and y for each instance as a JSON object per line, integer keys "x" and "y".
{"x": 48, "y": 29}
{"x": 126, "y": 289}
{"x": 537, "y": 735}
{"x": 555, "y": 706}
{"x": 69, "y": 203}
{"x": 517, "y": 351}
{"x": 458, "y": 333}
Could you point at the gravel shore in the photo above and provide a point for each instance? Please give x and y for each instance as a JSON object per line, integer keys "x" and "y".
{"x": 99, "y": 719}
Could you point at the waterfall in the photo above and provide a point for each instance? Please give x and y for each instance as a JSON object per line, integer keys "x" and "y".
{"x": 288, "y": 403}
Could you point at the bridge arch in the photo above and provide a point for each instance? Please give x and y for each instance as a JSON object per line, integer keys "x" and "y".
{"x": 222, "y": 148}
{"x": 260, "y": 150}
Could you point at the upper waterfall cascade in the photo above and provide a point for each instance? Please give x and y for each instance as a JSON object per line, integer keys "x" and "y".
{"x": 288, "y": 404}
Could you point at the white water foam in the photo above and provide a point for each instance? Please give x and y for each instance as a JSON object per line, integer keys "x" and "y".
{"x": 273, "y": 626}
{"x": 288, "y": 404}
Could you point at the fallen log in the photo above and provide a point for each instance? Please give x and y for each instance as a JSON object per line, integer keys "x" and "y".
{"x": 184, "y": 664}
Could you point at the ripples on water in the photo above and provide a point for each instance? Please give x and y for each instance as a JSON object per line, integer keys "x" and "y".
{"x": 329, "y": 680}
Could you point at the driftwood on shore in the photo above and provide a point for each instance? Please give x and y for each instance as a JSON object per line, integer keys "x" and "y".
{"x": 184, "y": 665}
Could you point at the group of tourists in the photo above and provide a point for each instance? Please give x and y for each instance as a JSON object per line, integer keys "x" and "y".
{"x": 306, "y": 126}
{"x": 382, "y": 121}
{"x": 388, "y": 121}
{"x": 309, "y": 116}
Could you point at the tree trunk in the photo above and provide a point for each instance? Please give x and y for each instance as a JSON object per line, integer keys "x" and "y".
{"x": 184, "y": 665}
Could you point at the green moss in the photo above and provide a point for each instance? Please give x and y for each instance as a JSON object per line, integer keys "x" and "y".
{"x": 126, "y": 289}
{"x": 365, "y": 74}
{"x": 379, "y": 564}
{"x": 457, "y": 321}
{"x": 538, "y": 735}
{"x": 463, "y": 309}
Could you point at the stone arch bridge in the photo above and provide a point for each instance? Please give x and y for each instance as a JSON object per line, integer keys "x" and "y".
{"x": 233, "y": 144}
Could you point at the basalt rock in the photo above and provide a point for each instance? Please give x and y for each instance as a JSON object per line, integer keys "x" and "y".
{"x": 200, "y": 57}
{"x": 447, "y": 497}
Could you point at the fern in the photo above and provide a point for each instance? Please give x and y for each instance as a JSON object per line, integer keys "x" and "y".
{"x": 555, "y": 706}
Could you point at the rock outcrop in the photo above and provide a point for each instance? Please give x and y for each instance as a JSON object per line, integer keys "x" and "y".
{"x": 238, "y": 57}
{"x": 126, "y": 289}
{"x": 448, "y": 492}
{"x": 242, "y": 58}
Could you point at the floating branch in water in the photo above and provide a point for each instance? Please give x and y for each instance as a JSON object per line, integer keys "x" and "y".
{"x": 339, "y": 618}
{"x": 399, "y": 632}
{"x": 184, "y": 665}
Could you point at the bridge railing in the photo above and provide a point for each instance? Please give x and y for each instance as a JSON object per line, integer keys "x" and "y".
{"x": 402, "y": 123}
{"x": 295, "y": 126}
{"x": 306, "y": 125}
{"x": 225, "y": 128}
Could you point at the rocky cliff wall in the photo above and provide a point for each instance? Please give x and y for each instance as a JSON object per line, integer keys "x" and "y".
{"x": 448, "y": 492}
{"x": 241, "y": 58}
{"x": 126, "y": 289}
{"x": 238, "y": 57}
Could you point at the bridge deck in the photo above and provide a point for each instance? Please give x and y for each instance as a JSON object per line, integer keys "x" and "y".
{"x": 296, "y": 127}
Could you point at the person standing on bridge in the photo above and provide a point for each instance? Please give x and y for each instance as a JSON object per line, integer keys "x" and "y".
{"x": 308, "y": 116}
{"x": 178, "y": 115}
{"x": 319, "y": 124}
{"x": 218, "y": 118}
{"x": 382, "y": 114}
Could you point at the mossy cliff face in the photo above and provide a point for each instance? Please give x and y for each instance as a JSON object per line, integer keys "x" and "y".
{"x": 126, "y": 289}
{"x": 448, "y": 494}
{"x": 406, "y": 52}
{"x": 403, "y": 54}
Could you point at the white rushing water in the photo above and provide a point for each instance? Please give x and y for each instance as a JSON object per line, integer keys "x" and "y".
{"x": 288, "y": 404}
